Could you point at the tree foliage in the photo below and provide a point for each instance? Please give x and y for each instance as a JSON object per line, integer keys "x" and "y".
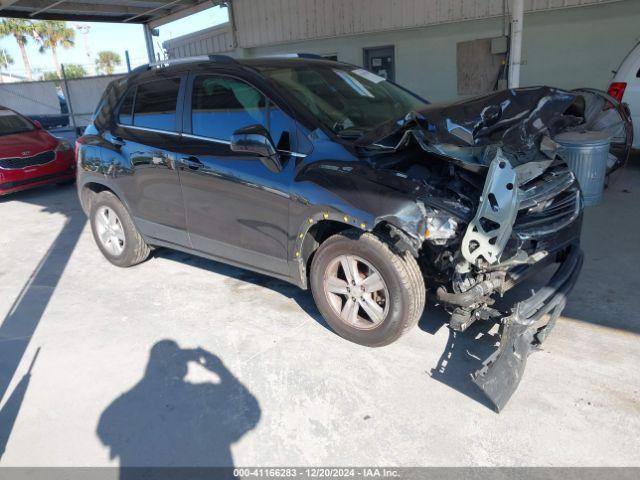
{"x": 21, "y": 30}
{"x": 52, "y": 34}
{"x": 71, "y": 70}
{"x": 5, "y": 59}
{"x": 107, "y": 61}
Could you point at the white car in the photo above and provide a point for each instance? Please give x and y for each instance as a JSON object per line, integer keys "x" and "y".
{"x": 625, "y": 87}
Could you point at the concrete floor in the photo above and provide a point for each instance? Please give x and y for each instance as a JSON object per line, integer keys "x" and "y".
{"x": 99, "y": 365}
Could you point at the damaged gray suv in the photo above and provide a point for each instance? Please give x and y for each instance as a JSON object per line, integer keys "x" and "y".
{"x": 330, "y": 177}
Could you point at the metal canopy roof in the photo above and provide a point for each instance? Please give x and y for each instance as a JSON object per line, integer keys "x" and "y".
{"x": 153, "y": 12}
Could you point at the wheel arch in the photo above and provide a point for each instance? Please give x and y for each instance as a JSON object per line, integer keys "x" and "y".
{"x": 321, "y": 226}
{"x": 88, "y": 192}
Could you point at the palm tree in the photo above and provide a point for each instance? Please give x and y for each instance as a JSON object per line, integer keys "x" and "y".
{"x": 21, "y": 31}
{"x": 107, "y": 62}
{"x": 5, "y": 61}
{"x": 52, "y": 34}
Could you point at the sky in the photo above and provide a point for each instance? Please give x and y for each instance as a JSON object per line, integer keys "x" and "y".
{"x": 109, "y": 36}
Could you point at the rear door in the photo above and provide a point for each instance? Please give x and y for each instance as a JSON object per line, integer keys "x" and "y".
{"x": 237, "y": 208}
{"x": 147, "y": 136}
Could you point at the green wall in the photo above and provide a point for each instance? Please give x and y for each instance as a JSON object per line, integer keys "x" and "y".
{"x": 568, "y": 48}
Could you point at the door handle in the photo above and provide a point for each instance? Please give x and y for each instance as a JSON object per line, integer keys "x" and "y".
{"x": 192, "y": 163}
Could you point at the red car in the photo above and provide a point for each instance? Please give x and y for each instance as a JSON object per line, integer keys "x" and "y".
{"x": 31, "y": 156}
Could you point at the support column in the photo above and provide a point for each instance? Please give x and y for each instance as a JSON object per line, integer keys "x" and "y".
{"x": 148, "y": 40}
{"x": 515, "y": 50}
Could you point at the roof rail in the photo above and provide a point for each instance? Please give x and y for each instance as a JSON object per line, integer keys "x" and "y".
{"x": 177, "y": 61}
{"x": 296, "y": 55}
{"x": 311, "y": 55}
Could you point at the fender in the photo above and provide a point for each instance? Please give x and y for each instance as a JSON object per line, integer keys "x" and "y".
{"x": 352, "y": 195}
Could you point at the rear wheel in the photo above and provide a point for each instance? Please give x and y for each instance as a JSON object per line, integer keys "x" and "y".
{"x": 114, "y": 231}
{"x": 368, "y": 293}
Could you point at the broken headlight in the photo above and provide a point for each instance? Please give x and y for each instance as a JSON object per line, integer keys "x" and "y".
{"x": 441, "y": 228}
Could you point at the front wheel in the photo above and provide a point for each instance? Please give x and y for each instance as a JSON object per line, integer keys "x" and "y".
{"x": 367, "y": 292}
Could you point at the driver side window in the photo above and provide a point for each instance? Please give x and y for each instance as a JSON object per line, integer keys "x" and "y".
{"x": 222, "y": 105}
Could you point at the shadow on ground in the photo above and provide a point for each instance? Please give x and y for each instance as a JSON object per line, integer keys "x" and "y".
{"x": 22, "y": 320}
{"x": 463, "y": 354}
{"x": 302, "y": 297}
{"x": 165, "y": 420}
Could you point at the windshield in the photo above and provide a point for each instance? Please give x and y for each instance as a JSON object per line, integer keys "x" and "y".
{"x": 349, "y": 101}
{"x": 10, "y": 123}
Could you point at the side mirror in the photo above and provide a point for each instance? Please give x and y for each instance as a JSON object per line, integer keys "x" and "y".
{"x": 37, "y": 124}
{"x": 255, "y": 139}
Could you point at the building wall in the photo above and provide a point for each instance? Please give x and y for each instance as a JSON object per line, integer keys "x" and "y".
{"x": 565, "y": 48}
{"x": 266, "y": 22}
{"x": 202, "y": 42}
{"x": 568, "y": 47}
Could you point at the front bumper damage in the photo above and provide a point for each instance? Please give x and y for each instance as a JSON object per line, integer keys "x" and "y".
{"x": 505, "y": 205}
{"x": 524, "y": 329}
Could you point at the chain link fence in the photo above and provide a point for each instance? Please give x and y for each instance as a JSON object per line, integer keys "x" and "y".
{"x": 61, "y": 104}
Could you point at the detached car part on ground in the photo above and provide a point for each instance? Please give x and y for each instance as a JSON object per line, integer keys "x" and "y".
{"x": 354, "y": 186}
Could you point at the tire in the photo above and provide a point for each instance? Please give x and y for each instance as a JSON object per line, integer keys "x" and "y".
{"x": 401, "y": 296}
{"x": 131, "y": 249}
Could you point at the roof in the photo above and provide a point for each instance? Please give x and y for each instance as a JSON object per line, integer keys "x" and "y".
{"x": 154, "y": 12}
{"x": 220, "y": 63}
{"x": 225, "y": 61}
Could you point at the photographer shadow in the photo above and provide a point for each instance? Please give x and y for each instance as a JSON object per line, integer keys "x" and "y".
{"x": 166, "y": 422}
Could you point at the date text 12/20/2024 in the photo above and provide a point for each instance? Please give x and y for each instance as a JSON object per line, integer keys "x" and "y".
{"x": 362, "y": 472}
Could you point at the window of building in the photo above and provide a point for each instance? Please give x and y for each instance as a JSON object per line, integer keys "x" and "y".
{"x": 381, "y": 61}
{"x": 155, "y": 104}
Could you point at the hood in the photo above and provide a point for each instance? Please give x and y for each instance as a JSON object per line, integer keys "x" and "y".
{"x": 34, "y": 142}
{"x": 520, "y": 122}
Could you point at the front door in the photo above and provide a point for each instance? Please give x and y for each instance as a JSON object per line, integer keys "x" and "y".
{"x": 381, "y": 61}
{"x": 147, "y": 136}
{"x": 237, "y": 208}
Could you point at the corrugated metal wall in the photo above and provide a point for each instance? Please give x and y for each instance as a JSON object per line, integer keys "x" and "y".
{"x": 210, "y": 40}
{"x": 268, "y": 22}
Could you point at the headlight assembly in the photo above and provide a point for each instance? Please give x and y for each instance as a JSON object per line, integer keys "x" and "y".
{"x": 63, "y": 146}
{"x": 441, "y": 228}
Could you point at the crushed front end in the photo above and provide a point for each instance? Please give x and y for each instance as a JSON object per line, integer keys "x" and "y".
{"x": 500, "y": 205}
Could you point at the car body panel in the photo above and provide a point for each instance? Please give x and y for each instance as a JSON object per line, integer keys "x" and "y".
{"x": 29, "y": 159}
{"x": 418, "y": 181}
{"x": 629, "y": 72}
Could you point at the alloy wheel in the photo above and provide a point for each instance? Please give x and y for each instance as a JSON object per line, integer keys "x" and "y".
{"x": 110, "y": 231}
{"x": 356, "y": 291}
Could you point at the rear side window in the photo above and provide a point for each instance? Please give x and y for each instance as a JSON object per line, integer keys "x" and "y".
{"x": 125, "y": 115}
{"x": 154, "y": 105}
{"x": 222, "y": 105}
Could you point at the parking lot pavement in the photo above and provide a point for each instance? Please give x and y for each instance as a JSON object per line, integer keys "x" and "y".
{"x": 185, "y": 361}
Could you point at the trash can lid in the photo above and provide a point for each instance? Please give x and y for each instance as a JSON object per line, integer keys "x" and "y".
{"x": 583, "y": 138}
